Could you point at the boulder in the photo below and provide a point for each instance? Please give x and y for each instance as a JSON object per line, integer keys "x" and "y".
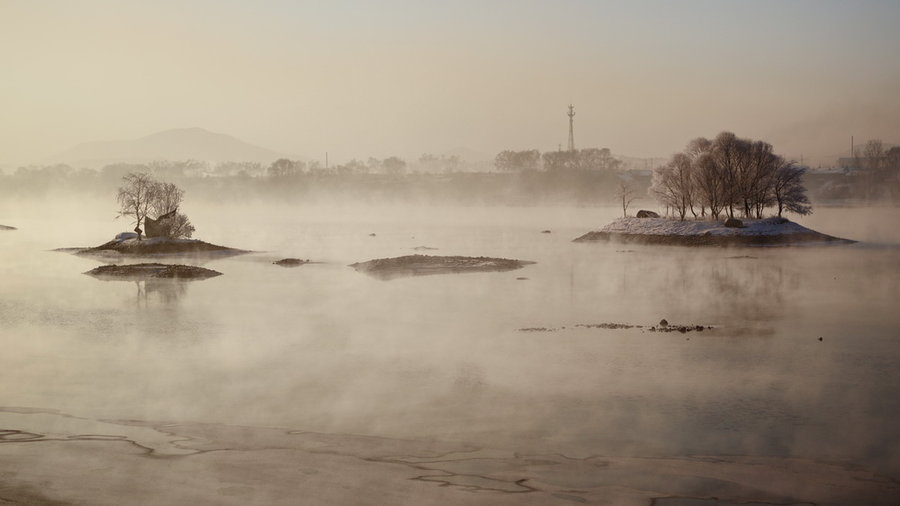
{"x": 643, "y": 213}
{"x": 291, "y": 262}
{"x": 124, "y": 236}
{"x": 734, "y": 223}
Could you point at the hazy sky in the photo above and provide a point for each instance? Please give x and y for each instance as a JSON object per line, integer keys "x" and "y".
{"x": 359, "y": 78}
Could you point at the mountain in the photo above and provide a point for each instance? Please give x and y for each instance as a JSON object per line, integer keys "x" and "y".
{"x": 175, "y": 144}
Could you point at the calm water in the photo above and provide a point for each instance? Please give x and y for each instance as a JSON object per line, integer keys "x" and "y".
{"x": 324, "y": 348}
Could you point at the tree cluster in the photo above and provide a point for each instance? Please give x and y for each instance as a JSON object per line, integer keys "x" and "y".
{"x": 596, "y": 159}
{"x": 730, "y": 175}
{"x": 141, "y": 194}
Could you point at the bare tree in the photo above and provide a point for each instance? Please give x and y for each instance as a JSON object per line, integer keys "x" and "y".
{"x": 710, "y": 184}
{"x": 169, "y": 222}
{"x": 788, "y": 190}
{"x": 166, "y": 198}
{"x": 673, "y": 185}
{"x": 135, "y": 197}
{"x": 626, "y": 193}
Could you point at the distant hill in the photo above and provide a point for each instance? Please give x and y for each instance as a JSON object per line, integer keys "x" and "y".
{"x": 175, "y": 144}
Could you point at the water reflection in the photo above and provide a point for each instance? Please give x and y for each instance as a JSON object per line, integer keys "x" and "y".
{"x": 163, "y": 291}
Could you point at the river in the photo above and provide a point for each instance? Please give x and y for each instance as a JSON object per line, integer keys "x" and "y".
{"x": 798, "y": 358}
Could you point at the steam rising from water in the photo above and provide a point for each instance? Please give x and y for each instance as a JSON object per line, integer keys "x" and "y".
{"x": 324, "y": 348}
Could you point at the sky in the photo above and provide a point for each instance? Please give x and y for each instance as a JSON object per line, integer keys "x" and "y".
{"x": 396, "y": 77}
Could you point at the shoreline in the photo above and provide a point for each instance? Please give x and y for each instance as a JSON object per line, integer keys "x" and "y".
{"x": 50, "y": 457}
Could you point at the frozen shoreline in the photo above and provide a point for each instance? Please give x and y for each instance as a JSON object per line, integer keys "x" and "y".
{"x": 50, "y": 457}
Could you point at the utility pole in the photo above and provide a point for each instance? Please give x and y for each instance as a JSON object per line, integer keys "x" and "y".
{"x": 571, "y": 127}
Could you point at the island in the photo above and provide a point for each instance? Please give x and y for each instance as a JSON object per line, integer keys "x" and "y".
{"x": 291, "y": 262}
{"x": 143, "y": 271}
{"x": 5, "y": 227}
{"x": 775, "y": 231}
{"x": 127, "y": 243}
{"x": 418, "y": 265}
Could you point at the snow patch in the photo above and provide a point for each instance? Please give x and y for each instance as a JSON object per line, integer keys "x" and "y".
{"x": 667, "y": 226}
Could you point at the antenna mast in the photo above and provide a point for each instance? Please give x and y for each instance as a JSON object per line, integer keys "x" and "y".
{"x": 571, "y": 127}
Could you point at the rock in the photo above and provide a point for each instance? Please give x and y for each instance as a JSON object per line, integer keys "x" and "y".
{"x": 124, "y": 236}
{"x": 663, "y": 323}
{"x": 290, "y": 262}
{"x": 152, "y": 270}
{"x": 734, "y": 223}
{"x": 545, "y": 232}
{"x": 5, "y": 227}
{"x": 643, "y": 213}
{"x": 415, "y": 265}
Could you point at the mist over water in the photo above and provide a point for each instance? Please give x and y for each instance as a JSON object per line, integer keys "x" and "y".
{"x": 324, "y": 348}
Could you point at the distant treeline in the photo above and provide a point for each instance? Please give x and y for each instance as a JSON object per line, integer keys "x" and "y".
{"x": 583, "y": 178}
{"x": 288, "y": 180}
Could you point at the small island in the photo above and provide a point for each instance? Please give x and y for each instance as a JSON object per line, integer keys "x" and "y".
{"x": 418, "y": 265}
{"x": 726, "y": 184}
{"x": 127, "y": 243}
{"x": 169, "y": 234}
{"x": 132, "y": 272}
{"x": 5, "y": 227}
{"x": 666, "y": 231}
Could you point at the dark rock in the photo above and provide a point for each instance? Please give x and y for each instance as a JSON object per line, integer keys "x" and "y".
{"x": 291, "y": 262}
{"x": 643, "y": 213}
{"x": 152, "y": 271}
{"x": 545, "y": 232}
{"x": 416, "y": 265}
{"x": 734, "y": 223}
{"x": 5, "y": 227}
{"x": 663, "y": 323}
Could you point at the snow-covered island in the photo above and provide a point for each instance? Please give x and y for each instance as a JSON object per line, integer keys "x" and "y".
{"x": 127, "y": 243}
{"x": 669, "y": 231}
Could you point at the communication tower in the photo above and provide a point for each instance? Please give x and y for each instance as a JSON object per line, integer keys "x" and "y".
{"x": 571, "y": 127}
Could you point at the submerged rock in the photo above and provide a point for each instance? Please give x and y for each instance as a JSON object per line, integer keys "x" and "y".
{"x": 152, "y": 270}
{"x": 417, "y": 265}
{"x": 290, "y": 262}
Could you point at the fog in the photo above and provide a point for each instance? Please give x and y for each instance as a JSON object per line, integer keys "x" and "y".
{"x": 799, "y": 361}
{"x": 354, "y": 131}
{"x": 407, "y": 78}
